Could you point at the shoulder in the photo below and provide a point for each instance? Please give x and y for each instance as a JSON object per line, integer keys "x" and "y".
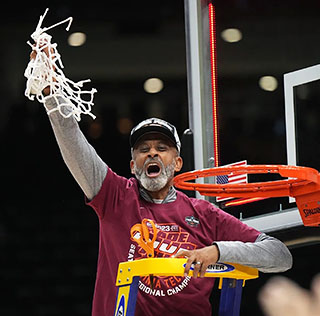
{"x": 112, "y": 178}
{"x": 208, "y": 210}
{"x": 115, "y": 187}
{"x": 200, "y": 205}
{"x": 114, "y": 191}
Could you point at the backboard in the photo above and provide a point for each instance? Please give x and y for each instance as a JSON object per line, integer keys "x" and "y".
{"x": 229, "y": 126}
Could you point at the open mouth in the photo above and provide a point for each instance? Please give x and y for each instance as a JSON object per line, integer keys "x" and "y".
{"x": 153, "y": 170}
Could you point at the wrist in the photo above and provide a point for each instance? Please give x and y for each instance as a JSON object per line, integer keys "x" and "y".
{"x": 217, "y": 249}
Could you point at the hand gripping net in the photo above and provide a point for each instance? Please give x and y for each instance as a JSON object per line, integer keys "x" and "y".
{"x": 46, "y": 71}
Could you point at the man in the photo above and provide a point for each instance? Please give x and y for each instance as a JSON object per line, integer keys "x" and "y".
{"x": 188, "y": 227}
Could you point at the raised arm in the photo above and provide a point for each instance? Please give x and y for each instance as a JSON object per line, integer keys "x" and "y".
{"x": 86, "y": 166}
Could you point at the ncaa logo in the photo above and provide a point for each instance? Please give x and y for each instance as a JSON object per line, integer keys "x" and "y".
{"x": 192, "y": 221}
{"x": 121, "y": 306}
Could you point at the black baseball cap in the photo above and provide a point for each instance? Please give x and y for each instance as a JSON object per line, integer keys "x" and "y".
{"x": 155, "y": 125}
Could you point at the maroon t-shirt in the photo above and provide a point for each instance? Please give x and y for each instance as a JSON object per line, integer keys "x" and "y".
{"x": 185, "y": 223}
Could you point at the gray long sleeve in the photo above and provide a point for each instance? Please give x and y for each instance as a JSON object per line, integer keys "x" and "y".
{"x": 267, "y": 254}
{"x": 86, "y": 166}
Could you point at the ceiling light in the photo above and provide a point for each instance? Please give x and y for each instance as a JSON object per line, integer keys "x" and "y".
{"x": 77, "y": 39}
{"x": 231, "y": 35}
{"x": 268, "y": 83}
{"x": 153, "y": 85}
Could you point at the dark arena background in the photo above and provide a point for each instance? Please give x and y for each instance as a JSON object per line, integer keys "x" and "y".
{"x": 48, "y": 236}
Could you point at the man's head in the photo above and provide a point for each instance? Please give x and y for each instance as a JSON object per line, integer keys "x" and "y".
{"x": 155, "y": 148}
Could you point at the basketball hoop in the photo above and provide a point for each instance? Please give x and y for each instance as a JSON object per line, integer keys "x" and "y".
{"x": 303, "y": 184}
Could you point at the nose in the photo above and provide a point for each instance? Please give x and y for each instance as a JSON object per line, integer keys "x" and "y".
{"x": 153, "y": 153}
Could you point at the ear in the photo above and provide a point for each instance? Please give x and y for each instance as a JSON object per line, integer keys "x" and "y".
{"x": 132, "y": 166}
{"x": 179, "y": 164}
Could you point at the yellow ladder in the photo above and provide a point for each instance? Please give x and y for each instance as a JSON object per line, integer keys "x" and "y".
{"x": 231, "y": 280}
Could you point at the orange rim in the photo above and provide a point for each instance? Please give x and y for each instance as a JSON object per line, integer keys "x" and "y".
{"x": 302, "y": 180}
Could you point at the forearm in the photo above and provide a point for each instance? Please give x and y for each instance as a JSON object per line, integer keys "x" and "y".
{"x": 267, "y": 254}
{"x": 86, "y": 166}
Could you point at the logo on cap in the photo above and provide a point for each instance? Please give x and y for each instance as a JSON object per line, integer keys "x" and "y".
{"x": 155, "y": 125}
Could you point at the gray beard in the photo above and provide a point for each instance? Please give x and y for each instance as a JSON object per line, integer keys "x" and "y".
{"x": 158, "y": 183}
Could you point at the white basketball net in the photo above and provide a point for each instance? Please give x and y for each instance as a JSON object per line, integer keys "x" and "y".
{"x": 46, "y": 70}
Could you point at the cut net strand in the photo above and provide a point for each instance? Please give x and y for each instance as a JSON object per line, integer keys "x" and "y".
{"x": 45, "y": 70}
